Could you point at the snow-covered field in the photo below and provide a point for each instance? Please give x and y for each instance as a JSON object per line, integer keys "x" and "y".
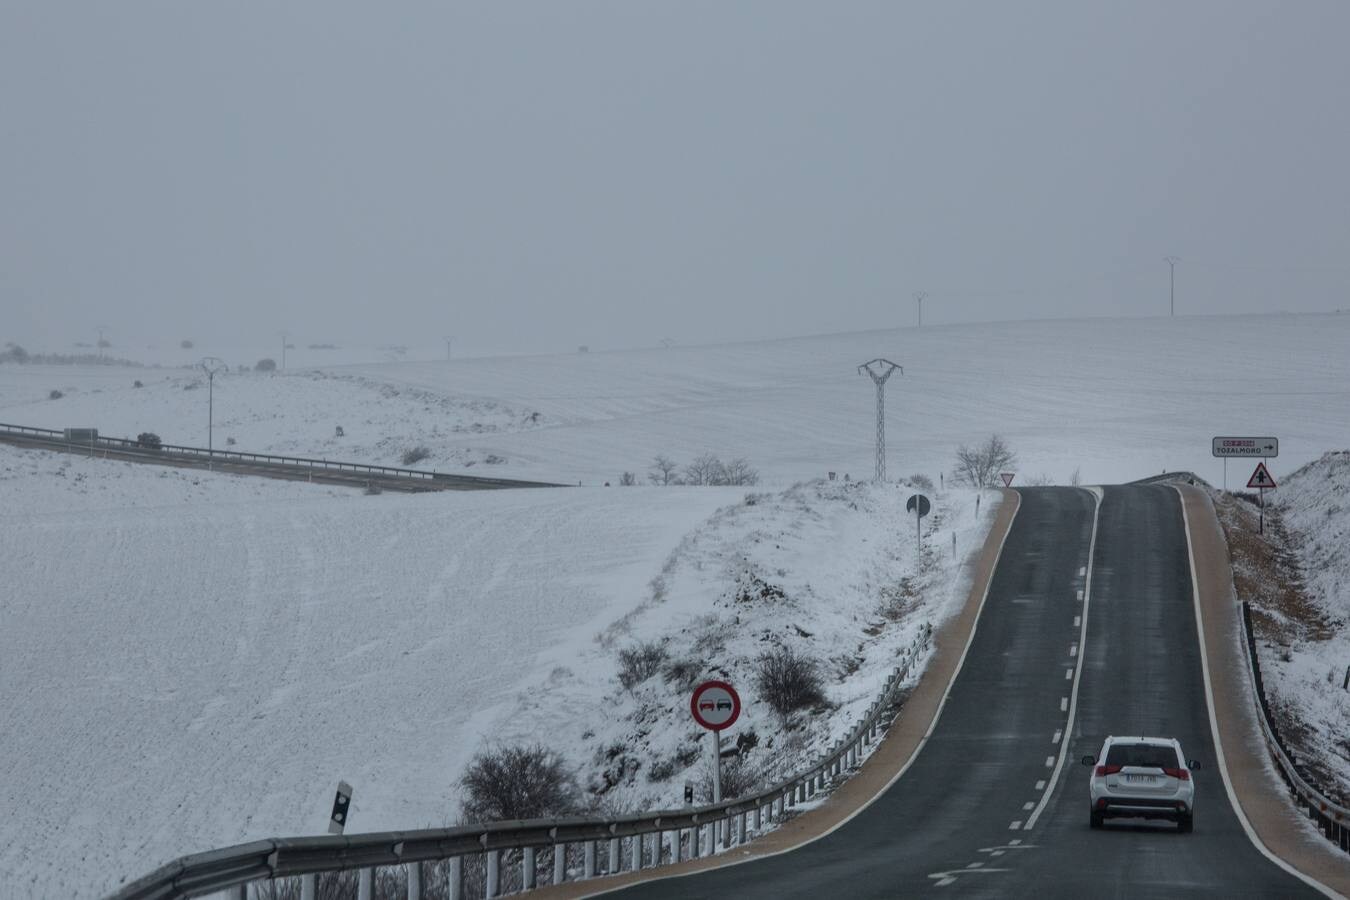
{"x": 189, "y": 660}
{"x": 1116, "y": 399}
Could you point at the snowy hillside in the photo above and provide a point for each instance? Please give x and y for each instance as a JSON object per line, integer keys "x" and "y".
{"x": 1314, "y": 505}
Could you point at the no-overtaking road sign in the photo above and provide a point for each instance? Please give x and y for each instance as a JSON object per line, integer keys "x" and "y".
{"x": 1261, "y": 447}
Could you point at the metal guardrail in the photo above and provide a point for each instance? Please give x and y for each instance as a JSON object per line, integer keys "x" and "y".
{"x": 492, "y": 859}
{"x": 1332, "y": 818}
{"x": 178, "y": 453}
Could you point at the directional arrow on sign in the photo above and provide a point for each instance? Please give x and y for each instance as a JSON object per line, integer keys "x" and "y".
{"x": 1261, "y": 478}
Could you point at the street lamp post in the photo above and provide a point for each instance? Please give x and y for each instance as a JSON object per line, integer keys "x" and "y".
{"x": 211, "y": 365}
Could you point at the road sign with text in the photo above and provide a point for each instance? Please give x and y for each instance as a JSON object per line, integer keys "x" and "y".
{"x": 1261, "y": 447}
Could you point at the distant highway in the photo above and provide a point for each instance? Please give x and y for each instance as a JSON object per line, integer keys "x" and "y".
{"x": 995, "y": 804}
{"x": 362, "y": 475}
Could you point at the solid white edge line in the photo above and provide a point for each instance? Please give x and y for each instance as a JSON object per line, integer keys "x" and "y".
{"x": 1214, "y": 722}
{"x": 923, "y": 742}
{"x": 1086, "y": 594}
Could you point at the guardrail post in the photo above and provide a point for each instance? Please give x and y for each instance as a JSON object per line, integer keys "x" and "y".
{"x": 726, "y": 832}
{"x": 527, "y": 876}
{"x": 364, "y": 884}
{"x": 615, "y": 861}
{"x": 559, "y": 863}
{"x": 415, "y": 881}
{"x": 740, "y": 826}
{"x": 637, "y": 850}
{"x": 589, "y": 870}
{"x": 454, "y": 874}
{"x": 494, "y": 873}
{"x": 759, "y": 818}
{"x": 309, "y": 886}
{"x": 693, "y": 841}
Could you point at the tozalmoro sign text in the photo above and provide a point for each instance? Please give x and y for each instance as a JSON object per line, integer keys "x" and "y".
{"x": 1262, "y": 447}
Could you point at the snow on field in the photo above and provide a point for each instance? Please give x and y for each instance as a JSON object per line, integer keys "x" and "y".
{"x": 1314, "y": 504}
{"x": 195, "y": 659}
{"x": 1116, "y": 399}
{"x": 192, "y": 660}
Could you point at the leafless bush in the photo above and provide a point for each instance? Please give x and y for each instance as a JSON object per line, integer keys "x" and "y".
{"x": 738, "y": 779}
{"x": 1040, "y": 480}
{"x": 517, "y": 782}
{"x": 266, "y": 365}
{"x": 1076, "y": 478}
{"x": 55, "y": 395}
{"x": 788, "y": 681}
{"x": 415, "y": 455}
{"x": 640, "y": 662}
{"x": 922, "y": 482}
{"x": 627, "y": 479}
{"x": 979, "y": 466}
{"x": 683, "y": 673}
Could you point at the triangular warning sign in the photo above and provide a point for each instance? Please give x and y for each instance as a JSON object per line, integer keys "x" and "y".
{"x": 1007, "y": 478}
{"x": 1261, "y": 478}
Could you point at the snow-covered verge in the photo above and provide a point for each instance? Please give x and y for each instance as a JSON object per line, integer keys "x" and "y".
{"x": 190, "y": 660}
{"x": 830, "y": 570}
{"x": 1297, "y": 579}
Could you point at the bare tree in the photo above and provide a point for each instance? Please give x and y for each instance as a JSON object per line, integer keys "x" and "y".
{"x": 627, "y": 479}
{"x": 705, "y": 469}
{"x": 979, "y": 466}
{"x": 738, "y": 472}
{"x": 662, "y": 470}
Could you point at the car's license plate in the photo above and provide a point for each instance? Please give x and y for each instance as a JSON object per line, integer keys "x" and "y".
{"x": 1141, "y": 779}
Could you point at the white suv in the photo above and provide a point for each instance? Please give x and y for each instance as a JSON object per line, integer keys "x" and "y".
{"x": 1142, "y": 778}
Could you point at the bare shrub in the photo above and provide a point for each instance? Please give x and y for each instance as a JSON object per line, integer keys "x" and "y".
{"x": 922, "y": 482}
{"x": 979, "y": 466}
{"x": 788, "y": 680}
{"x": 1076, "y": 478}
{"x": 703, "y": 470}
{"x": 55, "y": 395}
{"x": 517, "y": 782}
{"x": 739, "y": 778}
{"x": 640, "y": 662}
{"x": 1040, "y": 480}
{"x": 266, "y": 365}
{"x": 415, "y": 455}
{"x": 738, "y": 472}
{"x": 662, "y": 471}
{"x": 683, "y": 673}
{"x": 627, "y": 479}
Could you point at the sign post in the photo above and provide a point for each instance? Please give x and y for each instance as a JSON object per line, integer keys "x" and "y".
{"x": 716, "y": 706}
{"x": 919, "y": 505}
{"x": 1261, "y": 480}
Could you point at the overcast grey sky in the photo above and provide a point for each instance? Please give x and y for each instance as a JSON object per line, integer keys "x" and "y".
{"x": 534, "y": 176}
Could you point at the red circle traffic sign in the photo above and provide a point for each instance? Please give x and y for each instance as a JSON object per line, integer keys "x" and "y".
{"x": 715, "y": 705}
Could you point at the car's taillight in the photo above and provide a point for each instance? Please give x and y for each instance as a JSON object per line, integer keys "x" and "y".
{"x": 1107, "y": 770}
{"x": 1179, "y": 774}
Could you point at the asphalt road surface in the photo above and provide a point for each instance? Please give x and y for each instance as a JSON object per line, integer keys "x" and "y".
{"x": 995, "y": 805}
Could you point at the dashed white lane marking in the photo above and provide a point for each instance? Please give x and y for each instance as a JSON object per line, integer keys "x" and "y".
{"x": 1073, "y": 649}
{"x": 1029, "y": 805}
{"x": 1077, "y": 620}
{"x": 1082, "y": 570}
{"x": 1058, "y": 734}
{"x": 1068, "y": 674}
{"x": 1049, "y": 762}
{"x": 1063, "y": 704}
{"x": 1040, "y": 785}
{"x": 1016, "y": 825}
{"x": 974, "y": 865}
{"x": 1080, "y": 596}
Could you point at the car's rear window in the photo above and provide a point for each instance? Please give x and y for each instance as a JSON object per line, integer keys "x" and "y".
{"x": 1151, "y": 755}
